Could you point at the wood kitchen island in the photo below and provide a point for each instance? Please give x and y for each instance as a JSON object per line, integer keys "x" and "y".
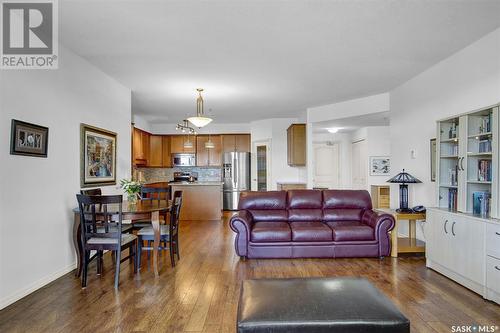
{"x": 200, "y": 200}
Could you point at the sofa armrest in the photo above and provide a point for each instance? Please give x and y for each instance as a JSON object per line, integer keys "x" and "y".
{"x": 381, "y": 223}
{"x": 241, "y": 224}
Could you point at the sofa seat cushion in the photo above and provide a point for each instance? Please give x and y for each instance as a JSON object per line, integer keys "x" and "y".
{"x": 264, "y": 232}
{"x": 351, "y": 231}
{"x": 310, "y": 232}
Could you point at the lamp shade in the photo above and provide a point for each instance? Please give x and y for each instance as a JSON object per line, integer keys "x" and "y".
{"x": 199, "y": 121}
{"x": 403, "y": 178}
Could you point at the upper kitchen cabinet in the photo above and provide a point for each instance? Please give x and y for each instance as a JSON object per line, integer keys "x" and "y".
{"x": 155, "y": 151}
{"x": 296, "y": 145}
{"x": 208, "y": 156}
{"x": 140, "y": 147}
{"x": 177, "y": 144}
{"x": 236, "y": 143}
{"x": 159, "y": 152}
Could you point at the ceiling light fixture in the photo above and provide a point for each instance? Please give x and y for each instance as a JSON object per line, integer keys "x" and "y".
{"x": 200, "y": 120}
{"x": 334, "y": 130}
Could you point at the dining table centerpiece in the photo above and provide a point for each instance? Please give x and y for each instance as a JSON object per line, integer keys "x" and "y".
{"x": 132, "y": 188}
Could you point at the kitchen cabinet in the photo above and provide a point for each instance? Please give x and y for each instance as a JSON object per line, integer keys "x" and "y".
{"x": 208, "y": 156}
{"x": 296, "y": 145}
{"x": 177, "y": 144}
{"x": 166, "y": 154}
{"x": 140, "y": 147}
{"x": 236, "y": 143}
{"x": 156, "y": 151}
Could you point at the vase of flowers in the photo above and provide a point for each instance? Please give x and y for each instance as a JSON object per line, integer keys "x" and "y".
{"x": 131, "y": 188}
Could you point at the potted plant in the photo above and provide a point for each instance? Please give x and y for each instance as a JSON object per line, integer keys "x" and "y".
{"x": 131, "y": 188}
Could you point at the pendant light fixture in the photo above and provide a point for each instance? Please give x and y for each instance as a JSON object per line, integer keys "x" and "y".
{"x": 200, "y": 120}
{"x": 209, "y": 144}
{"x": 185, "y": 128}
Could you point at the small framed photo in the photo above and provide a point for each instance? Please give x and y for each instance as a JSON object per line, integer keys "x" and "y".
{"x": 98, "y": 156}
{"x": 380, "y": 165}
{"x": 28, "y": 139}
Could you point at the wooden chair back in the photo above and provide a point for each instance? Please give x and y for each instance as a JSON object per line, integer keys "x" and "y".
{"x": 175, "y": 211}
{"x": 155, "y": 193}
{"x": 98, "y": 223}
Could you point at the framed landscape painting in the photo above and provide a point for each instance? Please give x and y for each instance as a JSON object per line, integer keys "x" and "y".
{"x": 380, "y": 165}
{"x": 28, "y": 139}
{"x": 98, "y": 156}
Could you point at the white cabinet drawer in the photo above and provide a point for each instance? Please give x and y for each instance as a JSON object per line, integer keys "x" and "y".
{"x": 493, "y": 241}
{"x": 493, "y": 274}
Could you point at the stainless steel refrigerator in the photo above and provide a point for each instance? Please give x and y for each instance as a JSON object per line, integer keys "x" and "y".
{"x": 236, "y": 178}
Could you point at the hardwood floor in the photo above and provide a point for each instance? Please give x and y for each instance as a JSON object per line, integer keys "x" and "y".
{"x": 201, "y": 293}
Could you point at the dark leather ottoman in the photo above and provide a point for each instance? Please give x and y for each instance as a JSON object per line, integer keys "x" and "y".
{"x": 344, "y": 305}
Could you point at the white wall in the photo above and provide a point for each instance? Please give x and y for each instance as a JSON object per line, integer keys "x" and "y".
{"x": 141, "y": 122}
{"x": 38, "y": 194}
{"x": 275, "y": 130}
{"x": 378, "y": 143}
{"x": 351, "y": 108}
{"x": 467, "y": 80}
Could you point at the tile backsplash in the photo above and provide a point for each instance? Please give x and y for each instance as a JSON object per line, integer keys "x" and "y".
{"x": 153, "y": 175}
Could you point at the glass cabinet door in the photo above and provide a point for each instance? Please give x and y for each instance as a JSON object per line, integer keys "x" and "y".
{"x": 449, "y": 135}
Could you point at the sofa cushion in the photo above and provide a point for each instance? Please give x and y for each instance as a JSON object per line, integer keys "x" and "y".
{"x": 263, "y": 232}
{"x": 350, "y": 199}
{"x": 304, "y": 199}
{"x": 342, "y": 214}
{"x": 310, "y": 232}
{"x": 269, "y": 215}
{"x": 303, "y": 215}
{"x": 262, "y": 200}
{"x": 351, "y": 231}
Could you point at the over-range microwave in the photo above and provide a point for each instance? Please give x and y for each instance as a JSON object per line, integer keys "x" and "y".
{"x": 183, "y": 159}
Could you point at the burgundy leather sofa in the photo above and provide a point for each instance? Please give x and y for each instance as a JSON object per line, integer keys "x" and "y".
{"x": 310, "y": 224}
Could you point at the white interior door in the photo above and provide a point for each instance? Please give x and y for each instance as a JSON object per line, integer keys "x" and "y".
{"x": 261, "y": 165}
{"x": 359, "y": 165}
{"x": 326, "y": 166}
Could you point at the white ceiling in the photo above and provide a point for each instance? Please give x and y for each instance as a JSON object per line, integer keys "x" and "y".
{"x": 262, "y": 59}
{"x": 353, "y": 123}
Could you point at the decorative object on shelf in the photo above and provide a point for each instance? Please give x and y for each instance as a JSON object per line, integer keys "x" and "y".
{"x": 209, "y": 144}
{"x": 433, "y": 159}
{"x": 200, "y": 120}
{"x": 28, "y": 139}
{"x": 380, "y": 165}
{"x": 97, "y": 156}
{"x": 132, "y": 189}
{"x": 403, "y": 179}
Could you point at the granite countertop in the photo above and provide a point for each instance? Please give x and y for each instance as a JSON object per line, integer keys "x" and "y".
{"x": 201, "y": 183}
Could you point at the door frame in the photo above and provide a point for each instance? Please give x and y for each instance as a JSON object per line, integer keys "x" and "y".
{"x": 253, "y": 168}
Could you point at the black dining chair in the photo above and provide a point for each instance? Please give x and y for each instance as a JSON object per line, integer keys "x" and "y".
{"x": 102, "y": 230}
{"x": 169, "y": 234}
{"x": 152, "y": 193}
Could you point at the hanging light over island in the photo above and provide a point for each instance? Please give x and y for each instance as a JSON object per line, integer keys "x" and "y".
{"x": 200, "y": 120}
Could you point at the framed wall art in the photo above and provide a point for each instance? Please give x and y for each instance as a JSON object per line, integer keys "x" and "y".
{"x": 28, "y": 139}
{"x": 98, "y": 156}
{"x": 380, "y": 165}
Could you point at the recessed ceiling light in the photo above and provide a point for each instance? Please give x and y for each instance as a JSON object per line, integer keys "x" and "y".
{"x": 333, "y": 129}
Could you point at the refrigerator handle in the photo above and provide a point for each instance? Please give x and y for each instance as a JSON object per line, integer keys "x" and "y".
{"x": 233, "y": 169}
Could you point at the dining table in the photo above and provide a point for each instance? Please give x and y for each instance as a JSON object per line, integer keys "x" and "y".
{"x": 132, "y": 212}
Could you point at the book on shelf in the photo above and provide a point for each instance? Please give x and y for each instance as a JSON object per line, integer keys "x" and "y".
{"x": 484, "y": 170}
{"x": 453, "y": 176}
{"x": 485, "y": 146}
{"x": 485, "y": 124}
{"x": 481, "y": 203}
{"x": 452, "y": 198}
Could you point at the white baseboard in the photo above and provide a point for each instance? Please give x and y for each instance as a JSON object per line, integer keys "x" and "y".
{"x": 35, "y": 286}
